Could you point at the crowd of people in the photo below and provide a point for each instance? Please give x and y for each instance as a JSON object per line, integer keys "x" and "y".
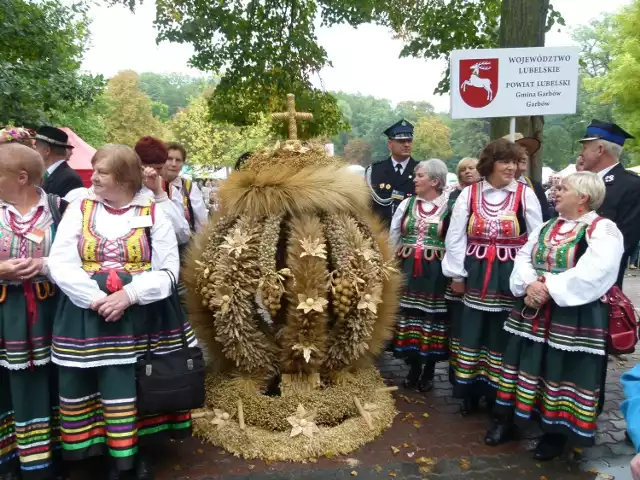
{"x": 500, "y": 284}
{"x": 507, "y": 285}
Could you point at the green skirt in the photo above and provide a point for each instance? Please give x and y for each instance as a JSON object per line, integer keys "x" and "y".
{"x": 82, "y": 339}
{"x": 478, "y": 338}
{"x": 553, "y": 368}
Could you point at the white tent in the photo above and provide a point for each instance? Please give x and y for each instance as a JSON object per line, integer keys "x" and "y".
{"x": 568, "y": 170}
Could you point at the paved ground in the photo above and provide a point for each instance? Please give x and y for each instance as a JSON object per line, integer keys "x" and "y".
{"x": 432, "y": 440}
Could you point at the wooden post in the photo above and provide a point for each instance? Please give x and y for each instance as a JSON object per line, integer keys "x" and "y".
{"x": 241, "y": 415}
{"x": 366, "y": 415}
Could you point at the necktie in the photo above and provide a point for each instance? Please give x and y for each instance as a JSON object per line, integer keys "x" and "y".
{"x": 399, "y": 169}
{"x": 46, "y": 175}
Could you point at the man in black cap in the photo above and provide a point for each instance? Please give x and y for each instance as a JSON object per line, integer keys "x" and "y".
{"x": 391, "y": 180}
{"x": 53, "y": 145}
{"x": 601, "y": 149}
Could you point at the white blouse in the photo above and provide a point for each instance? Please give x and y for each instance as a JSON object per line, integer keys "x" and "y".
{"x": 456, "y": 240}
{"x": 201, "y": 216}
{"x": 395, "y": 233}
{"x": 171, "y": 207}
{"x": 593, "y": 275}
{"x": 65, "y": 263}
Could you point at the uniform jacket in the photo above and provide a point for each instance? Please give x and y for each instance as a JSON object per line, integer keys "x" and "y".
{"x": 622, "y": 206}
{"x": 389, "y": 188}
{"x": 62, "y": 180}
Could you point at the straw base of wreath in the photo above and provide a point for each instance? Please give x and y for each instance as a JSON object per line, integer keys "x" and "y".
{"x": 336, "y": 436}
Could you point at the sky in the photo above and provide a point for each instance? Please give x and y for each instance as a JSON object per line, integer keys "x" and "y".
{"x": 365, "y": 60}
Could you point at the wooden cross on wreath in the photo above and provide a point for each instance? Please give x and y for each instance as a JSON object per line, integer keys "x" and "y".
{"x": 291, "y": 116}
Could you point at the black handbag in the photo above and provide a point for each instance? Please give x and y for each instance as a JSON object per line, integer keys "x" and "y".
{"x": 173, "y": 381}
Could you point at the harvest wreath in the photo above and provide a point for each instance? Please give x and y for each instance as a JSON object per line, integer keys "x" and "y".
{"x": 293, "y": 289}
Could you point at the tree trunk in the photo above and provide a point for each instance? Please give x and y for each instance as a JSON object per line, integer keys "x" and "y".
{"x": 523, "y": 24}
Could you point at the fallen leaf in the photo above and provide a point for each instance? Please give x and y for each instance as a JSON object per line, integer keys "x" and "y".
{"x": 395, "y": 450}
{"x": 543, "y": 478}
{"x": 405, "y": 445}
{"x": 251, "y": 467}
{"x": 425, "y": 415}
{"x": 464, "y": 464}
{"x": 426, "y": 469}
{"x": 177, "y": 468}
{"x": 200, "y": 451}
{"x": 405, "y": 398}
{"x": 411, "y": 454}
{"x": 378, "y": 468}
{"x": 221, "y": 452}
{"x": 417, "y": 424}
{"x": 605, "y": 476}
{"x": 427, "y": 460}
{"x": 421, "y": 402}
{"x": 352, "y": 462}
{"x": 392, "y": 474}
{"x": 354, "y": 473}
{"x": 578, "y": 450}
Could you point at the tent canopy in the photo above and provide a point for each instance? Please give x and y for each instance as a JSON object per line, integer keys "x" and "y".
{"x": 81, "y": 157}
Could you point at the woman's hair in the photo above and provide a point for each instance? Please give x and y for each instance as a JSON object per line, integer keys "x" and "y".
{"x": 466, "y": 161}
{"x": 123, "y": 163}
{"x": 16, "y": 157}
{"x": 152, "y": 151}
{"x": 498, "y": 150}
{"x": 436, "y": 170}
{"x": 589, "y": 184}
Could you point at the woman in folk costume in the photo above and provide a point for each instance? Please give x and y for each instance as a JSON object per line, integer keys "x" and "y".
{"x": 418, "y": 228}
{"x": 109, "y": 260}
{"x": 489, "y": 224}
{"x": 29, "y": 433}
{"x": 21, "y": 135}
{"x": 556, "y": 352}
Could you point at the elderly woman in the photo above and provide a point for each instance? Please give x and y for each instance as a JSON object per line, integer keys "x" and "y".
{"x": 489, "y": 225}
{"x": 556, "y": 353}
{"x": 418, "y": 228}
{"x": 467, "y": 174}
{"x": 111, "y": 259}
{"x": 28, "y": 301}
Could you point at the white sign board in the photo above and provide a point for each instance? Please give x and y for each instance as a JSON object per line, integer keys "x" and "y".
{"x": 514, "y": 82}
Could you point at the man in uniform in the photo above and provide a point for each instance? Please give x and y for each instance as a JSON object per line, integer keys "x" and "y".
{"x": 391, "y": 180}
{"x": 601, "y": 149}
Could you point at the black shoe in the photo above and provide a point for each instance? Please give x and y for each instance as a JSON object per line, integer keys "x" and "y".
{"x": 411, "y": 382}
{"x": 498, "y": 434}
{"x": 425, "y": 384}
{"x": 469, "y": 406}
{"x": 549, "y": 447}
{"x": 143, "y": 470}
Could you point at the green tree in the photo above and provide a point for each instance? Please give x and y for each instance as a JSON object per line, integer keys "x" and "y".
{"x": 212, "y": 144}
{"x": 173, "y": 90}
{"x": 88, "y": 122}
{"x": 42, "y": 44}
{"x": 358, "y": 152}
{"x": 414, "y": 111}
{"x": 468, "y": 137}
{"x": 129, "y": 114}
{"x": 431, "y": 139}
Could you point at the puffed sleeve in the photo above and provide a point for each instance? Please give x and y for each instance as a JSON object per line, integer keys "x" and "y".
{"x": 595, "y": 272}
{"x": 199, "y": 208}
{"x": 523, "y": 273}
{"x": 395, "y": 233}
{"x": 65, "y": 264}
{"x": 149, "y": 287}
{"x": 631, "y": 405}
{"x": 456, "y": 239}
{"x": 533, "y": 211}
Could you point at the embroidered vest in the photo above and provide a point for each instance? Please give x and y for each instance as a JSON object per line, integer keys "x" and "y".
{"x": 424, "y": 231}
{"x": 556, "y": 252}
{"x": 496, "y": 229}
{"x": 130, "y": 253}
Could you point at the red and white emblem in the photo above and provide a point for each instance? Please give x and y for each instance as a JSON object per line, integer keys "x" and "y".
{"x": 478, "y": 81}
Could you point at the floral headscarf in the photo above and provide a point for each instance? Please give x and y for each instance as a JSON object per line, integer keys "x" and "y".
{"x": 15, "y": 134}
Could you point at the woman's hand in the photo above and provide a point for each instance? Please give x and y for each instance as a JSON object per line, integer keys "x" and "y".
{"x": 538, "y": 293}
{"x": 112, "y": 307}
{"x": 152, "y": 180}
{"x": 458, "y": 287}
{"x": 20, "y": 269}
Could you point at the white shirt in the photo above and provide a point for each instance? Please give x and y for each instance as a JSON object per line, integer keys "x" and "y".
{"x": 65, "y": 263}
{"x": 395, "y": 232}
{"x": 456, "y": 240}
{"x": 602, "y": 173}
{"x": 594, "y": 274}
{"x": 403, "y": 164}
{"x": 53, "y": 166}
{"x": 197, "y": 203}
{"x": 171, "y": 207}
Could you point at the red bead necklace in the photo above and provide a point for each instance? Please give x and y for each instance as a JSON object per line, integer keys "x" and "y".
{"x": 116, "y": 211}
{"x": 22, "y": 228}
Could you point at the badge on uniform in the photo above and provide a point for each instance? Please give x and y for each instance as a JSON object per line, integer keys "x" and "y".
{"x": 36, "y": 236}
{"x": 609, "y": 178}
{"x": 141, "y": 222}
{"x": 396, "y": 195}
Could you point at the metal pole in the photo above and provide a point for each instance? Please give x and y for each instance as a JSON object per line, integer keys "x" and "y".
{"x": 512, "y": 129}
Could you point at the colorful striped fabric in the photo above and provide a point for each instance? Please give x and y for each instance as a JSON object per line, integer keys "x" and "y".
{"x": 427, "y": 335}
{"x": 16, "y": 355}
{"x": 492, "y": 302}
{"x": 425, "y": 301}
{"x": 472, "y": 366}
